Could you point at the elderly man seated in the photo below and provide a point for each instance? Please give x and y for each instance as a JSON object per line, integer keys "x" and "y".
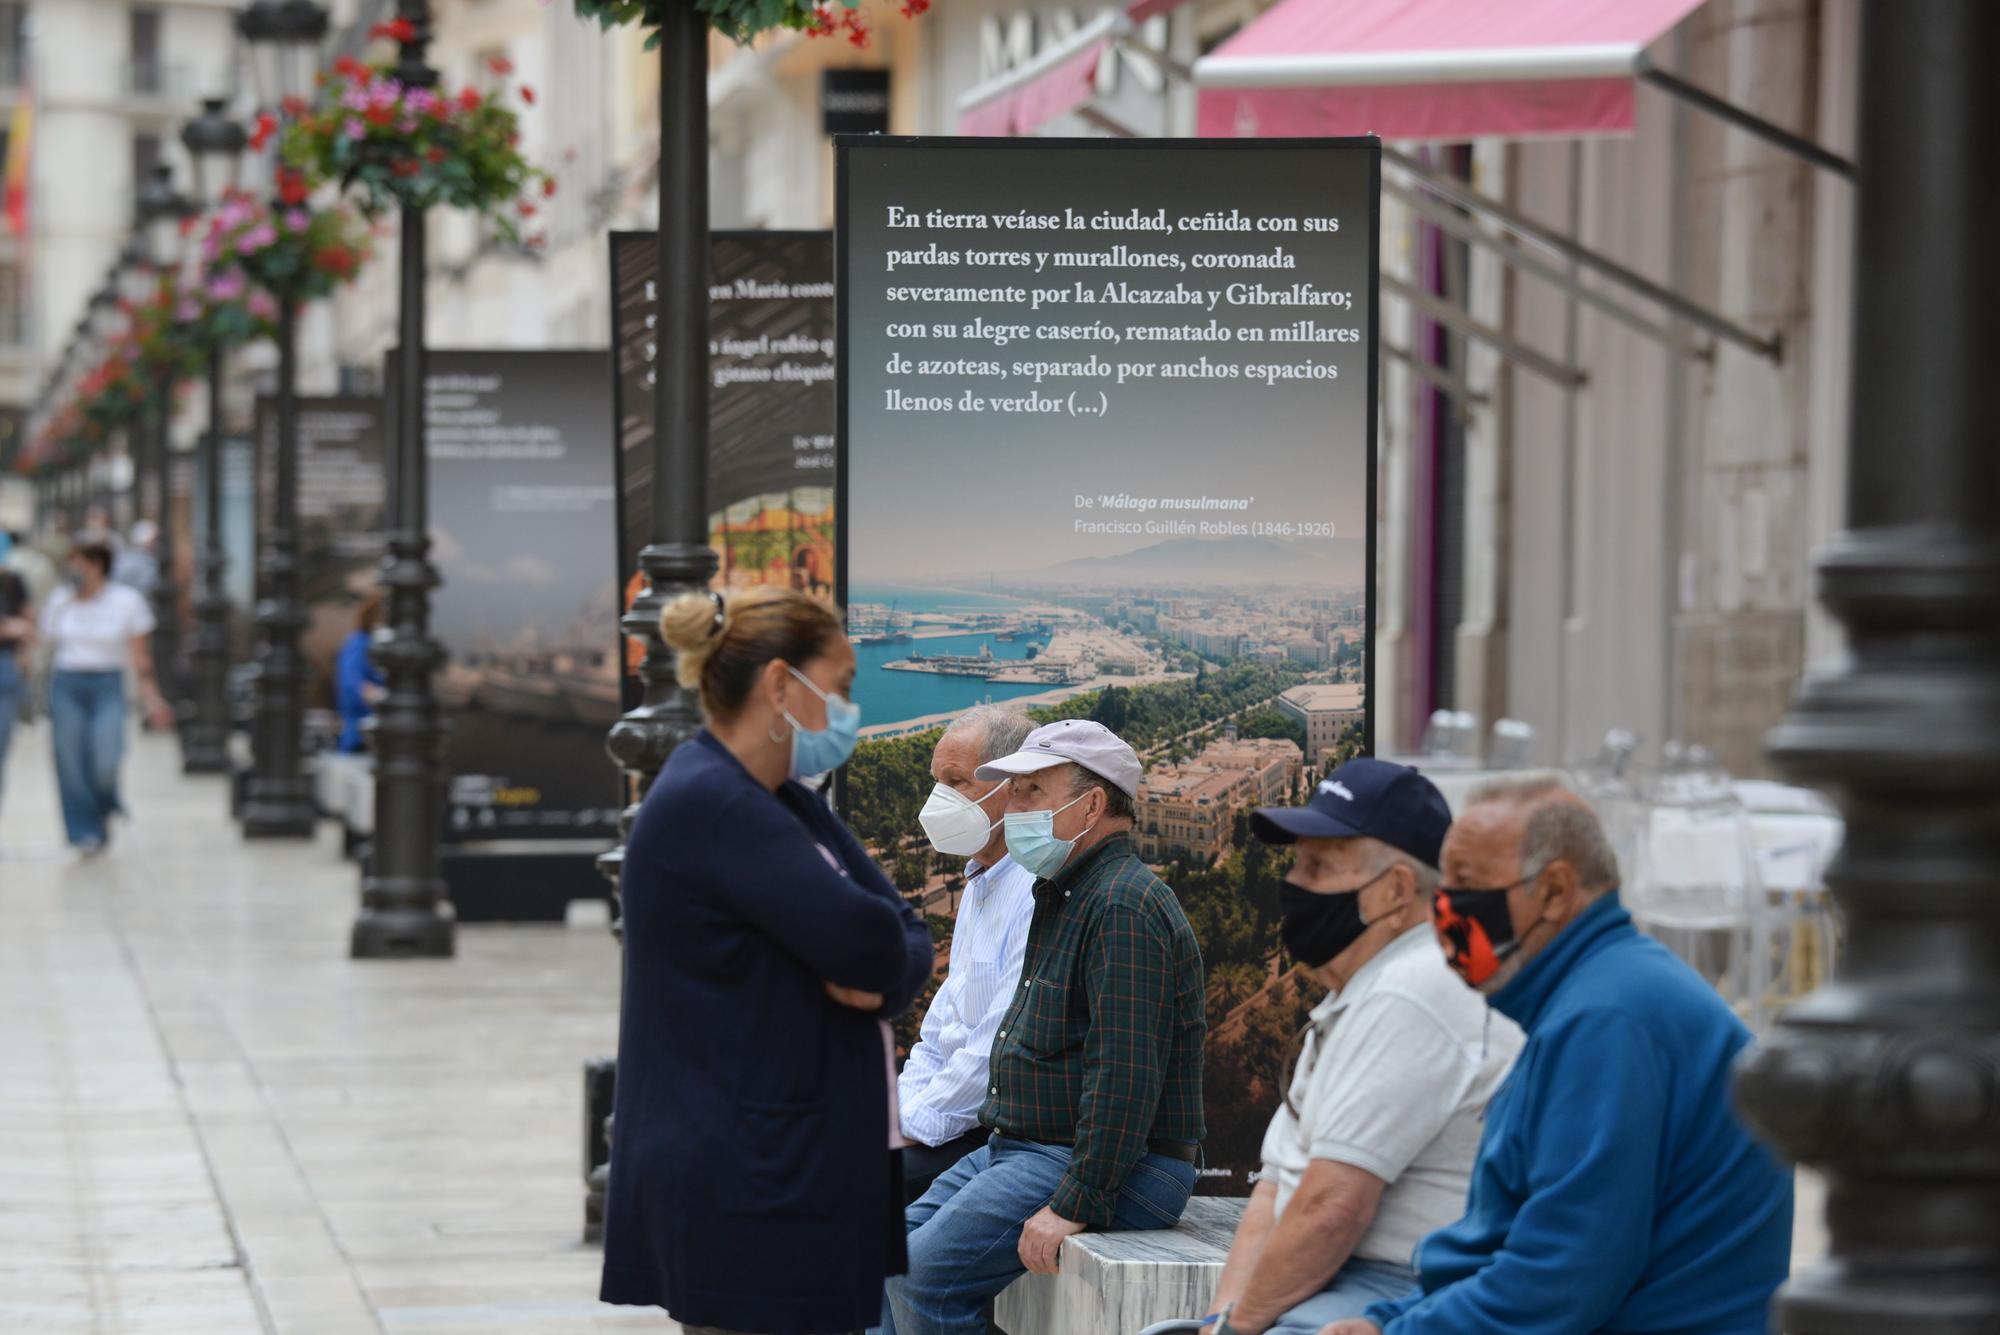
{"x": 1615, "y": 1190}
{"x": 1374, "y": 1144}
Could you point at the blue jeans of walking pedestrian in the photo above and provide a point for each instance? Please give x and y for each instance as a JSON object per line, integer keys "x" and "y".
{"x": 87, "y": 721}
{"x": 12, "y": 687}
{"x": 965, "y": 1232}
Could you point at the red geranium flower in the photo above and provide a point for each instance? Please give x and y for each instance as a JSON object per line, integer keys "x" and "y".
{"x": 294, "y": 106}
{"x": 267, "y": 125}
{"x": 500, "y": 65}
{"x": 396, "y": 30}
{"x": 435, "y": 155}
{"x": 292, "y": 189}
{"x": 548, "y": 186}
{"x": 337, "y": 260}
{"x": 349, "y": 67}
{"x": 468, "y": 99}
{"x": 405, "y": 167}
{"x": 527, "y": 209}
{"x": 379, "y": 115}
{"x": 527, "y": 95}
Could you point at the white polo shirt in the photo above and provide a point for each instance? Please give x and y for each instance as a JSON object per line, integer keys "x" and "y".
{"x": 95, "y": 634}
{"x": 1394, "y": 1079}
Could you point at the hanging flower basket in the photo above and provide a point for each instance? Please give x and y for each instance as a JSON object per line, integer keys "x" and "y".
{"x": 745, "y": 19}
{"x": 112, "y": 394}
{"x": 287, "y": 248}
{"x": 417, "y": 147}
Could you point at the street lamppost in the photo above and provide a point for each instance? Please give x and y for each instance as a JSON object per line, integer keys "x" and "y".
{"x": 403, "y": 894}
{"x": 283, "y": 38}
{"x": 136, "y": 282}
{"x": 1888, "y": 1080}
{"x": 215, "y": 143}
{"x": 678, "y": 559}
{"x": 163, "y": 217}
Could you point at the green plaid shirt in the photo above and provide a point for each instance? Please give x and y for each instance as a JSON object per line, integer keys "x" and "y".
{"x": 1102, "y": 1044}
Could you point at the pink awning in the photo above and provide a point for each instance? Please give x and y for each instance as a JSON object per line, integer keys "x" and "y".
{"x": 1432, "y": 69}
{"x": 1056, "y": 82}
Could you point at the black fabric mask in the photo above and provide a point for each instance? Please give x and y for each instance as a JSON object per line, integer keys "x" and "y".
{"x": 1317, "y": 927}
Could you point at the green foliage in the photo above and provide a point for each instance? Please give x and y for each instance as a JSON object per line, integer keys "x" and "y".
{"x": 1268, "y": 722}
{"x": 887, "y": 782}
{"x": 737, "y": 19}
{"x": 1150, "y": 716}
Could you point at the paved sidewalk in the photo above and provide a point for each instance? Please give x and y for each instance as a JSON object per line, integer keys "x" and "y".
{"x": 212, "y": 1122}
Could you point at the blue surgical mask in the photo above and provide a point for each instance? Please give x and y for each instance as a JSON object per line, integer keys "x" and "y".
{"x": 817, "y": 751}
{"x": 1031, "y": 839}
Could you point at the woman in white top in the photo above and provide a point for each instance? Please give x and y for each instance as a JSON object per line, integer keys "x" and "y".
{"x": 95, "y": 630}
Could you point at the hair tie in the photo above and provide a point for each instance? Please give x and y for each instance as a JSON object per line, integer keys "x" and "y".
{"x": 716, "y": 629}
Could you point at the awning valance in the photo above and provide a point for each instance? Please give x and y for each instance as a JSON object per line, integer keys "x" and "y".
{"x": 1433, "y": 69}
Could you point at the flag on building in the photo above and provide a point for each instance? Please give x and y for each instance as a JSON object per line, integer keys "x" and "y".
{"x": 20, "y": 133}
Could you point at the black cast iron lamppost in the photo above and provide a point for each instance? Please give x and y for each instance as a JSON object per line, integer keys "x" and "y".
{"x": 283, "y": 38}
{"x": 403, "y": 894}
{"x": 215, "y": 143}
{"x": 678, "y": 559}
{"x": 1888, "y": 1080}
{"x": 163, "y": 217}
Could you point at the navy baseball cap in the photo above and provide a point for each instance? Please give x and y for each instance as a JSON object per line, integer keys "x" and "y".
{"x": 1365, "y": 797}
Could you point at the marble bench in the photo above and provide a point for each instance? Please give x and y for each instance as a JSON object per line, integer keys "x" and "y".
{"x": 1120, "y": 1283}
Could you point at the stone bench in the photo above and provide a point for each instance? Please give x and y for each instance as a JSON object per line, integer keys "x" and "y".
{"x": 1120, "y": 1283}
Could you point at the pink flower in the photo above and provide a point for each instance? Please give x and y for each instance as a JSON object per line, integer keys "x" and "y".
{"x": 254, "y": 240}
{"x": 226, "y": 286}
{"x": 387, "y": 93}
{"x": 407, "y": 125}
{"x": 353, "y": 128}
{"x": 355, "y": 98}
{"x": 422, "y": 100}
{"x": 262, "y": 304}
{"x": 188, "y": 311}
{"x": 297, "y": 220}
{"x": 234, "y": 213}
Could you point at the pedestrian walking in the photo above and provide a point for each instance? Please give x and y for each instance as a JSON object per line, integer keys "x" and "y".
{"x": 96, "y": 632}
{"x": 754, "y": 1180}
{"x": 17, "y": 638}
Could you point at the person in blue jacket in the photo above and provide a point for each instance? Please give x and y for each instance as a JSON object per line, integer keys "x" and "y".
{"x": 1615, "y": 1191}
{"x": 357, "y": 682}
{"x": 753, "y": 1183}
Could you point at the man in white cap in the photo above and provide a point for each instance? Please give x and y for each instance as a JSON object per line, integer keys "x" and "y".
{"x": 1094, "y": 1098}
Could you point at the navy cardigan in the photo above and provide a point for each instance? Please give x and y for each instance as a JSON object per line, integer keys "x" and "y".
{"x": 752, "y": 1186}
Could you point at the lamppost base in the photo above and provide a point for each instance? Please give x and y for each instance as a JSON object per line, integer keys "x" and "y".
{"x": 279, "y": 809}
{"x": 402, "y": 934}
{"x": 204, "y": 755}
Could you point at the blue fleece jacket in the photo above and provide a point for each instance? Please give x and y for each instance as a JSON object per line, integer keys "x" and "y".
{"x": 1615, "y": 1192}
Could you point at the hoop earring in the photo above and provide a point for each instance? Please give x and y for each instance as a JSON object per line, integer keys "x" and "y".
{"x": 775, "y": 736}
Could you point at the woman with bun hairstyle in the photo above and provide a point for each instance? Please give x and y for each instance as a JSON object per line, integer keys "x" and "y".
{"x": 754, "y": 1185}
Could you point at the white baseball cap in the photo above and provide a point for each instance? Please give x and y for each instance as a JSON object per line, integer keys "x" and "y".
{"x": 1072, "y": 741}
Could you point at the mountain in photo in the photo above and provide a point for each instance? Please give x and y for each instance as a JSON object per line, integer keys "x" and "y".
{"x": 1336, "y": 561}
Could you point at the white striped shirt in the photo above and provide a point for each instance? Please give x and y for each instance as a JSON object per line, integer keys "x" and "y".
{"x": 944, "y": 1082}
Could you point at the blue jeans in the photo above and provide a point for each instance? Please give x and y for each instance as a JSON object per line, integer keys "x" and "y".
{"x": 12, "y": 686}
{"x": 965, "y": 1232}
{"x": 1349, "y": 1293}
{"x": 87, "y": 721}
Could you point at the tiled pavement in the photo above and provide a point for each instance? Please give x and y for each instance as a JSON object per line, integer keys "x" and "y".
{"x": 213, "y": 1123}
